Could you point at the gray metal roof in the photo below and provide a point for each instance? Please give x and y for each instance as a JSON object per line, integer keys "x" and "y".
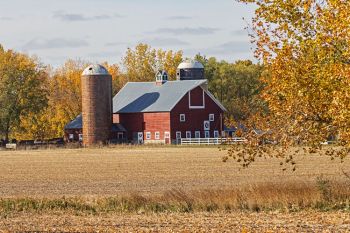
{"x": 149, "y": 97}
{"x": 77, "y": 123}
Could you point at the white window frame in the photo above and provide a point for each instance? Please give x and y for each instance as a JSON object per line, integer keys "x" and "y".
{"x": 178, "y": 135}
{"x": 166, "y": 135}
{"x": 207, "y": 134}
{"x": 211, "y": 117}
{"x": 80, "y": 137}
{"x": 182, "y": 117}
{"x": 148, "y": 136}
{"x": 223, "y": 133}
{"x": 120, "y": 135}
{"x": 188, "y": 134}
{"x": 197, "y": 134}
{"x": 71, "y": 136}
{"x": 156, "y": 135}
{"x": 204, "y": 125}
{"x": 216, "y": 134}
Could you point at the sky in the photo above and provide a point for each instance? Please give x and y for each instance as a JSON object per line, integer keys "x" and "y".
{"x": 102, "y": 30}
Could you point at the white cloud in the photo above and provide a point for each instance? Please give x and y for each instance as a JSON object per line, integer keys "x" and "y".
{"x": 187, "y": 31}
{"x": 164, "y": 42}
{"x": 37, "y": 44}
{"x": 70, "y": 17}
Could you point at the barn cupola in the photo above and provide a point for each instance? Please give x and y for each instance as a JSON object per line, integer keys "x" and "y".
{"x": 161, "y": 77}
{"x": 190, "y": 70}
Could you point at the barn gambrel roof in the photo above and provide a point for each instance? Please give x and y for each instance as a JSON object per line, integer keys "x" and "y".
{"x": 149, "y": 97}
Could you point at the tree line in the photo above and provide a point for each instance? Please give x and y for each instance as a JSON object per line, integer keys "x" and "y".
{"x": 37, "y": 101}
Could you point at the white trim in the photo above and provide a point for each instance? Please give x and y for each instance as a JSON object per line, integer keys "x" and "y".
{"x": 206, "y": 125}
{"x": 71, "y": 136}
{"x": 177, "y": 135}
{"x": 80, "y": 137}
{"x": 156, "y": 135}
{"x": 223, "y": 133}
{"x": 200, "y": 83}
{"x": 211, "y": 117}
{"x": 207, "y": 134}
{"x": 140, "y": 138}
{"x": 196, "y": 107}
{"x": 166, "y": 135}
{"x": 148, "y": 135}
{"x": 120, "y": 134}
{"x": 184, "y": 117}
{"x": 216, "y": 133}
{"x": 197, "y": 134}
{"x": 215, "y": 100}
{"x": 188, "y": 134}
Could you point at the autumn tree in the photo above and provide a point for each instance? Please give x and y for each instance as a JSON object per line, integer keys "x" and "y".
{"x": 143, "y": 62}
{"x": 118, "y": 78}
{"x": 304, "y": 47}
{"x": 23, "y": 89}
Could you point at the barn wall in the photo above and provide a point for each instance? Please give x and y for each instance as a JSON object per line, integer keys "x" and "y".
{"x": 157, "y": 122}
{"x": 116, "y": 118}
{"x": 196, "y": 97}
{"x": 132, "y": 122}
{"x": 195, "y": 117}
{"x": 145, "y": 122}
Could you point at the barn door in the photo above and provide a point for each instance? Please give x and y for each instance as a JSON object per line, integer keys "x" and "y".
{"x": 140, "y": 137}
{"x": 167, "y": 137}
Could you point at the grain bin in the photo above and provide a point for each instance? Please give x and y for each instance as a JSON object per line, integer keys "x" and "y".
{"x": 96, "y": 84}
{"x": 190, "y": 70}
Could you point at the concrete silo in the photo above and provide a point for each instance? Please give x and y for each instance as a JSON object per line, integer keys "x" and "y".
{"x": 96, "y": 84}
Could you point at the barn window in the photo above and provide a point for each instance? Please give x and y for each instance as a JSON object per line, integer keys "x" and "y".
{"x": 148, "y": 135}
{"x": 197, "y": 134}
{"x": 182, "y": 117}
{"x": 80, "y": 137}
{"x": 71, "y": 136}
{"x": 157, "y": 135}
{"x": 178, "y": 134}
{"x": 207, "y": 134}
{"x": 211, "y": 117}
{"x": 216, "y": 134}
{"x": 188, "y": 134}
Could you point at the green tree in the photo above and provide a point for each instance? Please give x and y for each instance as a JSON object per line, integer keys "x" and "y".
{"x": 237, "y": 86}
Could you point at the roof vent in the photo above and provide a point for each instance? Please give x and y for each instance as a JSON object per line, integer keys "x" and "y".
{"x": 161, "y": 77}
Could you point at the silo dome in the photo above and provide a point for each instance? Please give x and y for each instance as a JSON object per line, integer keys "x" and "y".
{"x": 95, "y": 69}
{"x": 190, "y": 64}
{"x": 190, "y": 70}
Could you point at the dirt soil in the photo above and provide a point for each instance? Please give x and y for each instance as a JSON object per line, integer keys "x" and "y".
{"x": 197, "y": 222}
{"x": 143, "y": 170}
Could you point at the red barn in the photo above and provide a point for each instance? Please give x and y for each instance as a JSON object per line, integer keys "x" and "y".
{"x": 164, "y": 111}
